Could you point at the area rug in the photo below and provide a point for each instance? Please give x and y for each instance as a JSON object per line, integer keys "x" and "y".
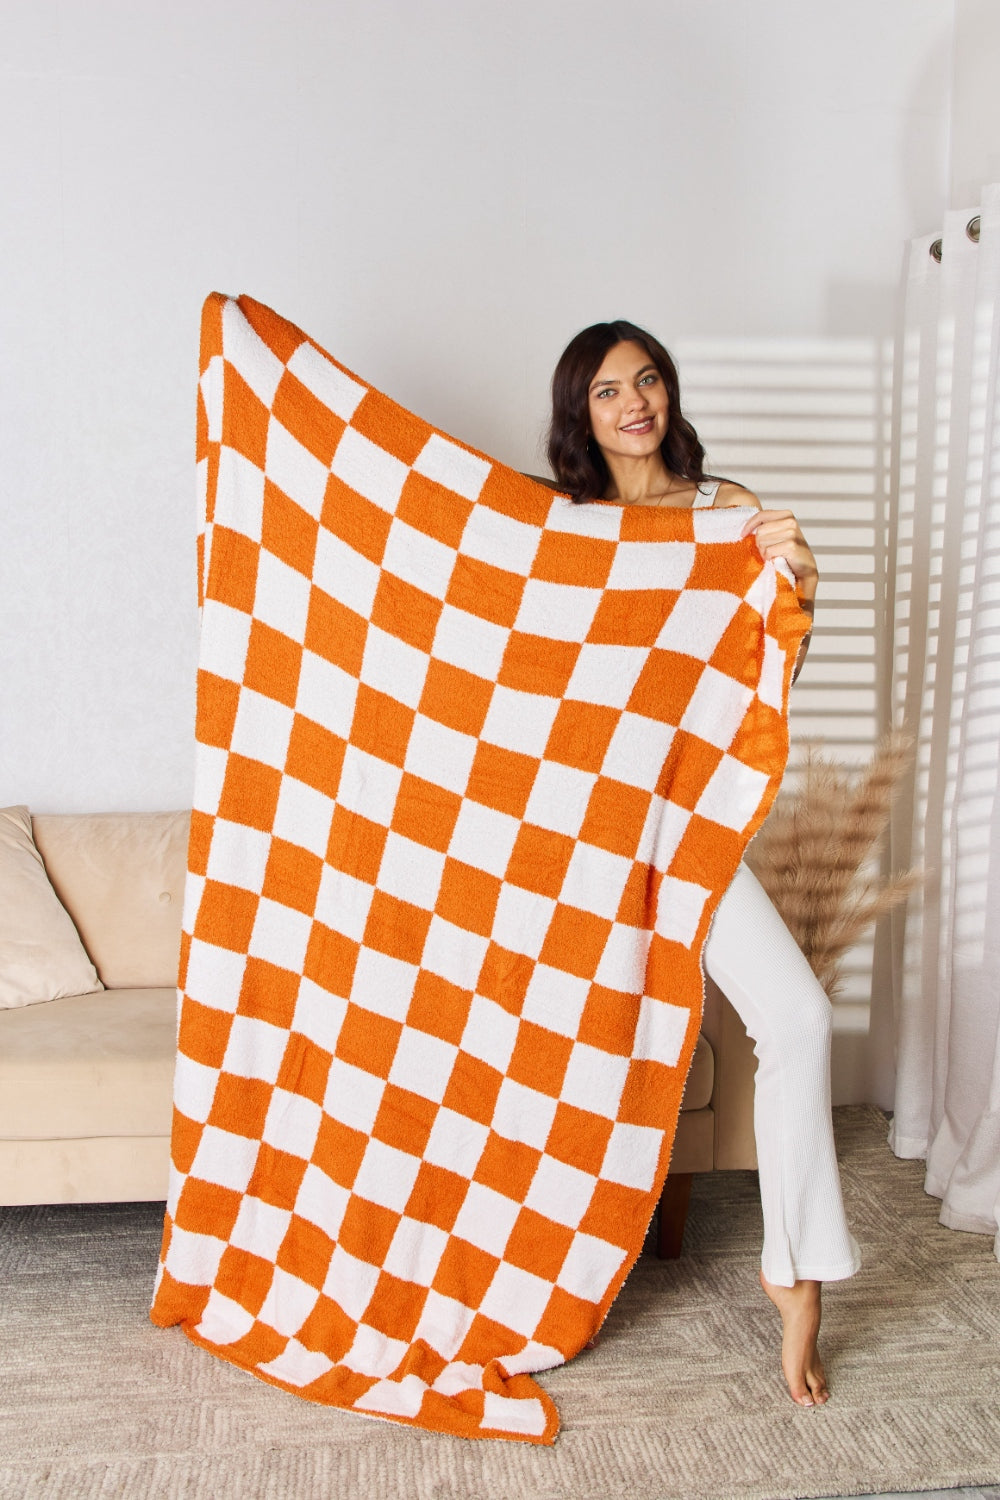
{"x": 681, "y": 1399}
{"x": 475, "y": 766}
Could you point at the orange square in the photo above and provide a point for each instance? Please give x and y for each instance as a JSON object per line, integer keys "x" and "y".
{"x": 268, "y": 992}
{"x": 481, "y": 589}
{"x": 396, "y": 927}
{"x": 567, "y": 1323}
{"x": 437, "y": 1196}
{"x": 486, "y": 1341}
{"x": 328, "y": 1329}
{"x": 464, "y": 1272}
{"x": 538, "y": 1244}
{"x": 250, "y": 792}
{"x": 244, "y": 1278}
{"x": 306, "y": 1251}
{"x": 359, "y": 523}
{"x": 615, "y": 816}
{"x": 405, "y": 611}
{"x": 455, "y": 697}
{"x": 472, "y": 1088}
{"x": 540, "y": 859}
{"x": 617, "y": 1214}
{"x": 565, "y": 558}
{"x": 501, "y": 778}
{"x": 204, "y": 1033}
{"x": 367, "y": 1230}
{"x": 637, "y": 907}
{"x": 225, "y": 915}
{"x": 273, "y": 664}
{"x": 331, "y": 959}
{"x": 356, "y": 845}
{"x": 609, "y": 1020}
{"x": 575, "y": 941}
{"x": 288, "y": 531}
{"x": 307, "y": 418}
{"x": 707, "y": 854}
{"x": 391, "y": 427}
{"x": 395, "y": 1307}
{"x": 738, "y": 652}
{"x": 185, "y": 1137}
{"x": 507, "y": 1166}
{"x": 631, "y": 617}
{"x": 424, "y": 812}
{"x": 713, "y": 566}
{"x": 381, "y": 725}
{"x": 665, "y": 686}
{"x": 335, "y": 632}
{"x": 232, "y": 569}
{"x": 404, "y": 1120}
{"x": 338, "y": 1151}
{"x": 687, "y": 770}
{"x": 649, "y": 1088}
{"x": 504, "y": 977}
{"x": 468, "y": 897}
{"x": 206, "y": 1208}
{"x": 292, "y": 876}
{"x": 762, "y": 738}
{"x": 579, "y": 1138}
{"x": 439, "y": 1008}
{"x": 315, "y": 756}
{"x": 245, "y": 418}
{"x": 581, "y": 734}
{"x": 277, "y": 1177}
{"x": 539, "y": 1059}
{"x": 432, "y": 509}
{"x": 368, "y": 1041}
{"x": 218, "y": 700}
{"x": 514, "y": 494}
{"x": 183, "y": 959}
{"x": 199, "y": 842}
{"x": 280, "y": 336}
{"x": 240, "y": 1105}
{"x": 534, "y": 664}
{"x": 305, "y": 1068}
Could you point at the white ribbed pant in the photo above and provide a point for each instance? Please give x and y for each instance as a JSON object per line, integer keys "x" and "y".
{"x": 759, "y": 967}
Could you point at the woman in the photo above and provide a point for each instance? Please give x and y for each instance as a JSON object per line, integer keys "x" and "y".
{"x": 617, "y": 434}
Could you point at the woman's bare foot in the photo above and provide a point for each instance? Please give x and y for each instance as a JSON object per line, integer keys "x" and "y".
{"x": 799, "y": 1306}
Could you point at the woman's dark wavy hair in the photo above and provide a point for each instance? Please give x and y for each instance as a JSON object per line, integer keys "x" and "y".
{"x": 576, "y": 460}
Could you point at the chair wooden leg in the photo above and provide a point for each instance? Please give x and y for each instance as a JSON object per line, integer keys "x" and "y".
{"x": 674, "y": 1202}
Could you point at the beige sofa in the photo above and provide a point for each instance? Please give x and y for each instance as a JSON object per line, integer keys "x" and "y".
{"x": 85, "y": 1081}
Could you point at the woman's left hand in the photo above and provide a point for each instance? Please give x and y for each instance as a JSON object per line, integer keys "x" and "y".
{"x": 777, "y": 534}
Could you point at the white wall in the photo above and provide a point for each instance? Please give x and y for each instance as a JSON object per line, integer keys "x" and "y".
{"x": 975, "y": 112}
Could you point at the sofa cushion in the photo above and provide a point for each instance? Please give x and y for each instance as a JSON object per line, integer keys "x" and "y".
{"x": 41, "y": 956}
{"x": 90, "y": 1065}
{"x": 701, "y": 1078}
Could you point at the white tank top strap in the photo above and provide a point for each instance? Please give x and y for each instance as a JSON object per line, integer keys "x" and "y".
{"x": 705, "y": 493}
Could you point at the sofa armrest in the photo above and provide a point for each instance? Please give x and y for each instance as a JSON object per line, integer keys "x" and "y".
{"x": 733, "y": 1091}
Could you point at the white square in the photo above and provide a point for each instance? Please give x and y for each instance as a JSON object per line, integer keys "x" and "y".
{"x": 383, "y": 984}
{"x": 623, "y": 962}
{"x": 343, "y": 903}
{"x": 632, "y": 1156}
{"x": 516, "y": 1298}
{"x": 415, "y": 1252}
{"x": 373, "y": 1353}
{"x": 326, "y": 382}
{"x": 440, "y": 755}
{"x": 531, "y": 1358}
{"x": 466, "y": 641}
{"x": 210, "y": 766}
{"x": 210, "y": 386}
{"x": 294, "y": 469}
{"x": 651, "y": 565}
{"x": 490, "y": 1033}
{"x": 352, "y": 1096}
{"x": 557, "y": 611}
{"x": 350, "y": 1283}
{"x": 215, "y": 975}
{"x": 444, "y": 1323}
{"x": 239, "y": 495}
{"x": 520, "y": 721}
{"x": 486, "y": 1218}
{"x": 224, "y": 1321}
{"x": 521, "y": 921}
{"x": 344, "y": 574}
{"x": 483, "y": 837}
{"x": 386, "y": 1176}
{"x": 288, "y": 1303}
{"x": 733, "y": 794}
{"x": 322, "y": 1201}
{"x": 559, "y": 797}
{"x": 292, "y": 1123}
{"x": 717, "y": 708}
{"x": 513, "y": 1414}
{"x": 260, "y": 1227}
{"x": 606, "y": 674}
{"x": 369, "y": 470}
{"x": 595, "y": 880}
{"x": 410, "y": 871}
{"x": 666, "y": 824}
{"x": 262, "y": 729}
{"x": 603, "y": 521}
{"x": 555, "y": 999}
{"x": 679, "y": 905}
{"x": 523, "y": 1114}
{"x": 500, "y": 540}
{"x": 319, "y": 1015}
{"x": 770, "y": 688}
{"x": 761, "y": 593}
{"x": 303, "y": 816}
{"x": 637, "y": 750}
{"x": 225, "y": 1159}
{"x": 282, "y": 597}
{"x": 397, "y": 1398}
{"x": 246, "y": 351}
{"x": 194, "y": 889}
{"x": 193, "y": 1258}
{"x": 297, "y": 1365}
{"x": 697, "y": 622}
{"x": 280, "y": 935}
{"x": 423, "y": 1064}
{"x": 418, "y": 559}
{"x": 454, "y": 953}
{"x": 255, "y": 1049}
{"x": 225, "y": 640}
{"x": 368, "y": 785}
{"x": 455, "y": 1142}
{"x": 454, "y": 467}
{"x": 393, "y": 667}
{"x": 594, "y": 1080}
{"x": 194, "y": 1088}
{"x": 590, "y": 1267}
{"x": 326, "y": 694}
{"x": 660, "y": 1031}
{"x": 560, "y": 1192}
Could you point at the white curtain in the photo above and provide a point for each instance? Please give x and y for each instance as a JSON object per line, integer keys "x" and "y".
{"x": 946, "y": 677}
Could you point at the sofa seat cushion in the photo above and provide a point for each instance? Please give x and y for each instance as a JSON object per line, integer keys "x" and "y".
{"x": 88, "y": 1065}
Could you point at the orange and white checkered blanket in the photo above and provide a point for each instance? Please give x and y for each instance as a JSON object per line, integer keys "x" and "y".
{"x": 475, "y": 765}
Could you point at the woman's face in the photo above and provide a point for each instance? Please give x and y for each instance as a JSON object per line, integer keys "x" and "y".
{"x": 627, "y": 402}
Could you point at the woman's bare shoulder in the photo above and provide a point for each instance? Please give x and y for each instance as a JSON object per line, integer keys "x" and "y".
{"x": 734, "y": 494}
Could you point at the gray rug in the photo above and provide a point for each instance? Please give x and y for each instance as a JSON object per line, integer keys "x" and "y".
{"x": 681, "y": 1400}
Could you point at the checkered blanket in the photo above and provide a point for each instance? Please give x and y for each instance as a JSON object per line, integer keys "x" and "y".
{"x": 474, "y": 766}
